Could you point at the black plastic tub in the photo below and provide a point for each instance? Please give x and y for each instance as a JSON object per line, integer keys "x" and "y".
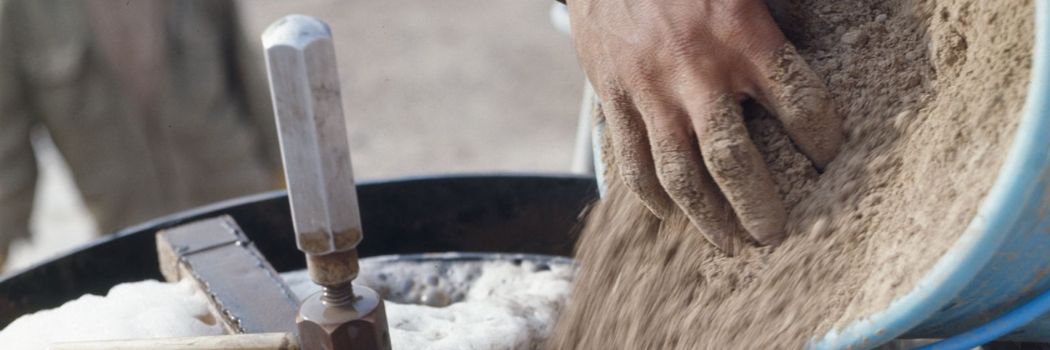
{"x": 496, "y": 213}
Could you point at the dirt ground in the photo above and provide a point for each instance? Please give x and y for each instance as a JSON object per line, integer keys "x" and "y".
{"x": 430, "y": 87}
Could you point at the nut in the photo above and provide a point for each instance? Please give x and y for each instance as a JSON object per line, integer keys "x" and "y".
{"x": 359, "y": 326}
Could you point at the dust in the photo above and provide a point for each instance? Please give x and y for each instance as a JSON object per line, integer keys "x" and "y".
{"x": 930, "y": 92}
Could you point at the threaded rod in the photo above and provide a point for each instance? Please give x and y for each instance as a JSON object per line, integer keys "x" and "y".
{"x": 338, "y": 295}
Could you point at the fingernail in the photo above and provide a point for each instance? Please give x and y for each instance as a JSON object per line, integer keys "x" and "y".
{"x": 724, "y": 241}
{"x": 658, "y": 214}
{"x": 773, "y": 240}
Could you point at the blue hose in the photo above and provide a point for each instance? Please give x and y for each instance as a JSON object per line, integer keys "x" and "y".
{"x": 996, "y": 328}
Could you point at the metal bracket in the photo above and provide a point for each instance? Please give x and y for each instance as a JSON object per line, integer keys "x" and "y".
{"x": 244, "y": 291}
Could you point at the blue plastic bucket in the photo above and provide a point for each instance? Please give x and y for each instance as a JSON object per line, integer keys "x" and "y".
{"x": 1003, "y": 258}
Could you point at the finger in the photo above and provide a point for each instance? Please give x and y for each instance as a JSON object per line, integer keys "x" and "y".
{"x": 679, "y": 167}
{"x": 738, "y": 169}
{"x": 632, "y": 155}
{"x": 798, "y": 97}
{"x": 605, "y": 147}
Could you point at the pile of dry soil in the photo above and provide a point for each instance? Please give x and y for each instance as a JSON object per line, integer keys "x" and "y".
{"x": 930, "y": 91}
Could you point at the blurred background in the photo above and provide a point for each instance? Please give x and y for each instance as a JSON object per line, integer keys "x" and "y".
{"x": 429, "y": 87}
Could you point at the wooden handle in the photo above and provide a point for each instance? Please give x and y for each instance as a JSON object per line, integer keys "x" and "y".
{"x": 262, "y": 341}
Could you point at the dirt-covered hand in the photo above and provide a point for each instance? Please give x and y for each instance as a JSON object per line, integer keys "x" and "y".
{"x": 671, "y": 75}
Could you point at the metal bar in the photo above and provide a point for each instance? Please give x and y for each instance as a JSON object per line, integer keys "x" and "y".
{"x": 243, "y": 289}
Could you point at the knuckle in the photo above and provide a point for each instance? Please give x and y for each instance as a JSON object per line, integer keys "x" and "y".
{"x": 618, "y": 101}
{"x": 683, "y": 46}
{"x": 641, "y": 80}
{"x": 634, "y": 177}
{"x": 679, "y": 178}
{"x": 726, "y": 159}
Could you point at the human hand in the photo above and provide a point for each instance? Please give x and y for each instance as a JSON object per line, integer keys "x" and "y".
{"x": 671, "y": 75}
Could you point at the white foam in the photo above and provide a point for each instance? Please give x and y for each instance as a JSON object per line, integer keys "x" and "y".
{"x": 494, "y": 305}
{"x": 482, "y": 305}
{"x": 147, "y": 309}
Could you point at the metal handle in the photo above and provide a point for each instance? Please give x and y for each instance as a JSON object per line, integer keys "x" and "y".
{"x": 315, "y": 146}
